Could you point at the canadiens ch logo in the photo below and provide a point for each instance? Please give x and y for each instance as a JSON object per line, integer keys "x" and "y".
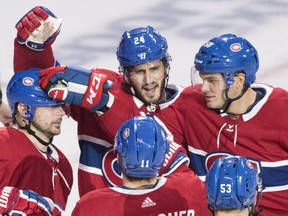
{"x": 28, "y": 81}
{"x": 235, "y": 47}
{"x": 126, "y": 133}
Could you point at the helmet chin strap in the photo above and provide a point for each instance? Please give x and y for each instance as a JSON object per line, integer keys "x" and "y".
{"x": 230, "y": 100}
{"x": 33, "y": 133}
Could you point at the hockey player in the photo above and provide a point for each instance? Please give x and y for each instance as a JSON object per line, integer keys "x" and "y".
{"x": 141, "y": 145}
{"x": 29, "y": 160}
{"x": 233, "y": 187}
{"x": 140, "y": 88}
{"x": 233, "y": 115}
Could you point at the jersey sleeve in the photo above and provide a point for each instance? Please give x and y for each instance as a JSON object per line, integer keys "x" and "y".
{"x": 174, "y": 159}
{"x": 25, "y": 58}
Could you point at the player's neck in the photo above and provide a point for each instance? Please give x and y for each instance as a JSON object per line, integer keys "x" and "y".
{"x": 232, "y": 213}
{"x": 139, "y": 185}
{"x": 243, "y": 104}
{"x": 38, "y": 145}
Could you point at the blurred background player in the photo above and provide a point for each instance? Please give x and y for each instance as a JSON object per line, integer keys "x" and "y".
{"x": 5, "y": 112}
{"x": 233, "y": 187}
{"x": 29, "y": 160}
{"x": 233, "y": 115}
{"x": 141, "y": 87}
{"x": 141, "y": 144}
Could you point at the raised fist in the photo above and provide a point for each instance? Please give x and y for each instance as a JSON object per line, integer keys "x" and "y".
{"x": 38, "y": 28}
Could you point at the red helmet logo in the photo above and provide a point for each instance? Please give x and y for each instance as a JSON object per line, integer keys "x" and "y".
{"x": 28, "y": 81}
{"x": 235, "y": 47}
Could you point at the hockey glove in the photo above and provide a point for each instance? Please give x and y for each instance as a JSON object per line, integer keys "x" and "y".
{"x": 75, "y": 85}
{"x": 38, "y": 28}
{"x": 17, "y": 202}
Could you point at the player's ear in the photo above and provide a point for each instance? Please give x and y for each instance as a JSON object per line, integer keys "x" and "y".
{"x": 239, "y": 78}
{"x": 23, "y": 111}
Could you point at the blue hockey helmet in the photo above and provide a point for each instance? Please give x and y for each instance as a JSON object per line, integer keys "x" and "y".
{"x": 23, "y": 88}
{"x": 228, "y": 54}
{"x": 232, "y": 183}
{"x": 141, "y": 143}
{"x": 141, "y": 45}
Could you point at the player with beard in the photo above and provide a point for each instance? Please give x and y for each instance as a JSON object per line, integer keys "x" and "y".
{"x": 29, "y": 160}
{"x": 101, "y": 100}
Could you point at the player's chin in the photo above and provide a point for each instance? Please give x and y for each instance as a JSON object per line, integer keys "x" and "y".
{"x": 55, "y": 132}
{"x": 212, "y": 105}
{"x": 153, "y": 100}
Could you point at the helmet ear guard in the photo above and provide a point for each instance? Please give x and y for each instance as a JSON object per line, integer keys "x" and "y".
{"x": 28, "y": 116}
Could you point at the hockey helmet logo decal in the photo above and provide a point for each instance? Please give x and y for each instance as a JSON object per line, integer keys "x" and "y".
{"x": 126, "y": 133}
{"x": 28, "y": 81}
{"x": 235, "y": 47}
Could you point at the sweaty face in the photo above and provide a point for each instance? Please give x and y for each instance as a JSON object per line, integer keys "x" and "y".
{"x": 213, "y": 87}
{"x": 148, "y": 81}
{"x": 47, "y": 121}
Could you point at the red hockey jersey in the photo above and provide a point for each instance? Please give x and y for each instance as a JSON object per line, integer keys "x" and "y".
{"x": 178, "y": 194}
{"x": 24, "y": 166}
{"x": 260, "y": 134}
{"x": 96, "y": 131}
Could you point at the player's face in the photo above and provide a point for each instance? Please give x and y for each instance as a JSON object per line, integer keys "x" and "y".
{"x": 148, "y": 80}
{"x": 47, "y": 120}
{"x": 213, "y": 87}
